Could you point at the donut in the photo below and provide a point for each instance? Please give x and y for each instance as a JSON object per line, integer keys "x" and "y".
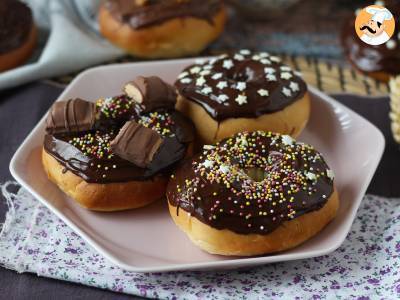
{"x": 251, "y": 194}
{"x": 113, "y": 155}
{"x": 17, "y": 34}
{"x": 376, "y": 61}
{"x": 242, "y": 91}
{"x": 161, "y": 29}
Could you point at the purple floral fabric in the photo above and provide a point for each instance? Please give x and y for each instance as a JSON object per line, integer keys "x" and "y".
{"x": 366, "y": 266}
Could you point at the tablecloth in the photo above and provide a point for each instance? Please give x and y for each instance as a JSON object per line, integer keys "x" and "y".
{"x": 366, "y": 266}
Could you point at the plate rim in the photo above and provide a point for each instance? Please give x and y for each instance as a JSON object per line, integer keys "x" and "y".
{"x": 233, "y": 263}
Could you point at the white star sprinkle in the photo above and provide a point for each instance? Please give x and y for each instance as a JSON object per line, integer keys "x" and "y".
{"x": 264, "y": 54}
{"x": 241, "y": 86}
{"x": 391, "y": 44}
{"x": 287, "y": 140}
{"x": 224, "y": 169}
{"x": 275, "y": 59}
{"x": 265, "y": 61}
{"x": 286, "y": 75}
{"x": 242, "y": 141}
{"x": 207, "y": 67}
{"x": 222, "y": 56}
{"x": 269, "y": 70}
{"x": 207, "y": 90}
{"x": 200, "y": 81}
{"x": 222, "y": 84}
{"x": 228, "y": 64}
{"x": 205, "y": 72}
{"x": 263, "y": 92}
{"x": 208, "y": 163}
{"x": 195, "y": 70}
{"x": 239, "y": 57}
{"x": 311, "y": 176}
{"x": 294, "y": 86}
{"x": 186, "y": 80}
{"x": 256, "y": 57}
{"x": 286, "y": 92}
{"x": 271, "y": 77}
{"x": 222, "y": 98}
{"x": 286, "y": 68}
{"x": 183, "y": 74}
{"x": 245, "y": 52}
{"x": 241, "y": 99}
{"x": 330, "y": 174}
{"x": 216, "y": 76}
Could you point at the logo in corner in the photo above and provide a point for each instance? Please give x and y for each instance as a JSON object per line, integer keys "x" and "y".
{"x": 375, "y": 25}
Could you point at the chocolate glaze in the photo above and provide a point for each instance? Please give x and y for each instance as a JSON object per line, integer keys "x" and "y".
{"x": 193, "y": 191}
{"x": 157, "y": 11}
{"x": 104, "y": 166}
{"x": 244, "y": 67}
{"x": 370, "y": 58}
{"x": 15, "y": 24}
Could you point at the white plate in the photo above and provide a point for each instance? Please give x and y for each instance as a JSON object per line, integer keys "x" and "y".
{"x": 146, "y": 240}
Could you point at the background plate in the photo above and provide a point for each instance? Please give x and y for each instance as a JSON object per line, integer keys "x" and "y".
{"x": 146, "y": 240}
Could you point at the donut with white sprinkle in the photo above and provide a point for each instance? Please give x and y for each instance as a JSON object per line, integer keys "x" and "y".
{"x": 253, "y": 193}
{"x": 245, "y": 90}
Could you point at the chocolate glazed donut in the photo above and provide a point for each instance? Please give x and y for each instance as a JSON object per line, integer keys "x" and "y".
{"x": 113, "y": 155}
{"x": 253, "y": 193}
{"x": 243, "y": 91}
{"x": 167, "y": 28}
{"x": 17, "y": 33}
{"x": 380, "y": 61}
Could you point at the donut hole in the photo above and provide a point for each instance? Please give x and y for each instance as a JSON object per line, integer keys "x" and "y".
{"x": 245, "y": 73}
{"x": 257, "y": 174}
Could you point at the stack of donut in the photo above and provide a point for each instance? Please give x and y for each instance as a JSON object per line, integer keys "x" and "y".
{"x": 249, "y": 189}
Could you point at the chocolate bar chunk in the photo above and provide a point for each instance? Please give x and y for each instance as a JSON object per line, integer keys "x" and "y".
{"x": 151, "y": 92}
{"x": 71, "y": 116}
{"x": 170, "y": 152}
{"x": 136, "y": 143}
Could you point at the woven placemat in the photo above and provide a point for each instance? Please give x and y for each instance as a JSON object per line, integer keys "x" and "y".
{"x": 325, "y": 75}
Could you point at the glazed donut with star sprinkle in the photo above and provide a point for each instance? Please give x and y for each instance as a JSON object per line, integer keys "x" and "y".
{"x": 243, "y": 91}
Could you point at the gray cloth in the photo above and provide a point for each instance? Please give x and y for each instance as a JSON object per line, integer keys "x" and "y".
{"x": 68, "y": 41}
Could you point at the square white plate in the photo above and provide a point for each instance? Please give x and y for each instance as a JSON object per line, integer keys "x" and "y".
{"x": 146, "y": 240}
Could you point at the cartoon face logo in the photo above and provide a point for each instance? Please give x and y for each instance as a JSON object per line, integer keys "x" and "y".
{"x": 375, "y": 25}
{"x": 373, "y": 28}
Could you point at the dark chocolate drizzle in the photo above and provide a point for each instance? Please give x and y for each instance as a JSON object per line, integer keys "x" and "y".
{"x": 104, "y": 166}
{"x": 370, "y": 58}
{"x": 260, "y": 72}
{"x": 157, "y": 11}
{"x": 15, "y": 24}
{"x": 202, "y": 191}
